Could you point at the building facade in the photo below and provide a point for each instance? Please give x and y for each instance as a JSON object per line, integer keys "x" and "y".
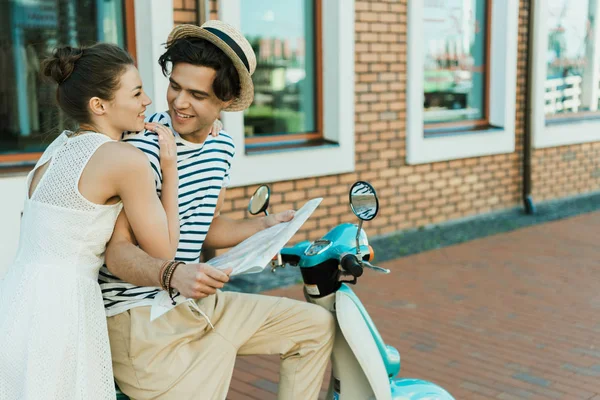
{"x": 446, "y": 107}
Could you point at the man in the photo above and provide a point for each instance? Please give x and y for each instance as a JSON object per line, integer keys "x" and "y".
{"x": 189, "y": 352}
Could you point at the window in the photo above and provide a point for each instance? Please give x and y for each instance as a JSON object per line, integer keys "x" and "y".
{"x": 570, "y": 43}
{"x": 333, "y": 104}
{"x": 30, "y": 30}
{"x": 566, "y": 76}
{"x": 455, "y": 46}
{"x": 461, "y": 79}
{"x": 284, "y": 37}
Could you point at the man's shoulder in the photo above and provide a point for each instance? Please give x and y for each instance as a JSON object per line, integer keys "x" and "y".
{"x": 147, "y": 140}
{"x": 224, "y": 141}
{"x": 162, "y": 117}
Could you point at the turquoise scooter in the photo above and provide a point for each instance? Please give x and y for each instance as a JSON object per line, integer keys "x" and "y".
{"x": 364, "y": 367}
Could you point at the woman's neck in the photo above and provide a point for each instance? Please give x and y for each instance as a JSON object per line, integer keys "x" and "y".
{"x": 99, "y": 128}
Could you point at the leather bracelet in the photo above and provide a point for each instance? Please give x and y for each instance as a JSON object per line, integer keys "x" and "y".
{"x": 164, "y": 274}
{"x": 161, "y": 274}
{"x": 172, "y": 269}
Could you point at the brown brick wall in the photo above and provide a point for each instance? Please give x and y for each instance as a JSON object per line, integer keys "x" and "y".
{"x": 185, "y": 12}
{"x": 410, "y": 195}
{"x": 417, "y": 195}
{"x": 566, "y": 171}
{"x": 213, "y": 9}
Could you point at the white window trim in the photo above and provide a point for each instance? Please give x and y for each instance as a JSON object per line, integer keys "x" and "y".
{"x": 570, "y": 132}
{"x": 153, "y": 23}
{"x": 338, "y": 108}
{"x": 501, "y": 93}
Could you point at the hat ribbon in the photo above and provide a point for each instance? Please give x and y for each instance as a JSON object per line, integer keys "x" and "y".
{"x": 232, "y": 44}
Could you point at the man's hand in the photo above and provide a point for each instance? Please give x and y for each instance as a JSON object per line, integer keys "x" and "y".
{"x": 197, "y": 281}
{"x": 274, "y": 219}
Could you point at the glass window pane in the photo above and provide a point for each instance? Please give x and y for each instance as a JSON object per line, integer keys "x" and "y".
{"x": 454, "y": 44}
{"x": 29, "y": 31}
{"x": 282, "y": 34}
{"x": 110, "y": 22}
{"x": 570, "y": 28}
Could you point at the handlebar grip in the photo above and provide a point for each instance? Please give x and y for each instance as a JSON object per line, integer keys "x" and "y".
{"x": 351, "y": 264}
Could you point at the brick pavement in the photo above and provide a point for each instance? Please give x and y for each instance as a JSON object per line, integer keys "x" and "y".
{"x": 512, "y": 316}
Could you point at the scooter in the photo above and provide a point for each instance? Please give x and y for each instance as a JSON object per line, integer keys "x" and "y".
{"x": 363, "y": 366}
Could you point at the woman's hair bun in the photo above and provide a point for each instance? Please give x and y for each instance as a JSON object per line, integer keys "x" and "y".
{"x": 60, "y": 65}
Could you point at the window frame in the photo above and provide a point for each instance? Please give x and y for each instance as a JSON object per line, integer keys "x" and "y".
{"x": 334, "y": 153}
{"x": 562, "y": 129}
{"x": 432, "y": 128}
{"x": 463, "y": 141}
{"x": 18, "y": 160}
{"x": 288, "y": 140}
{"x": 130, "y": 25}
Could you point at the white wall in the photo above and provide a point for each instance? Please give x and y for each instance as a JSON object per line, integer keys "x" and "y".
{"x": 12, "y": 195}
{"x": 153, "y": 23}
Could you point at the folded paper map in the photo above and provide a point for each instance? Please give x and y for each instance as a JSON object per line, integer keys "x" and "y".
{"x": 255, "y": 253}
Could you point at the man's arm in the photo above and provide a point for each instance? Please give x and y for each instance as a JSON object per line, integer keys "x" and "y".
{"x": 131, "y": 264}
{"x": 226, "y": 232}
{"x": 124, "y": 257}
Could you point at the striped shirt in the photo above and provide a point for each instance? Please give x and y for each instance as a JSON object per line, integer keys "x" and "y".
{"x": 203, "y": 171}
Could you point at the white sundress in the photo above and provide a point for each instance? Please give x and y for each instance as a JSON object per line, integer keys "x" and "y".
{"x": 53, "y": 334}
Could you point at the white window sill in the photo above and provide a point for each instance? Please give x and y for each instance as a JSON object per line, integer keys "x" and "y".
{"x": 566, "y": 133}
{"x": 461, "y": 144}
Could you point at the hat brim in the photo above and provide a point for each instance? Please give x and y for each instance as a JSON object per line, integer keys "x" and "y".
{"x": 244, "y": 100}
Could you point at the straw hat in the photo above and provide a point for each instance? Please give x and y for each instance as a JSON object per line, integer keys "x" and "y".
{"x": 234, "y": 44}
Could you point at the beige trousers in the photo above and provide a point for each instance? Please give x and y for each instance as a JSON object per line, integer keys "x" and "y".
{"x": 179, "y": 356}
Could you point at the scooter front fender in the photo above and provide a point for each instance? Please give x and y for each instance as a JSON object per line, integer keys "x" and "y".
{"x": 417, "y": 389}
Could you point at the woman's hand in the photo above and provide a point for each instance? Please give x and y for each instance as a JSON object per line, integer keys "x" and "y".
{"x": 216, "y": 128}
{"x": 166, "y": 141}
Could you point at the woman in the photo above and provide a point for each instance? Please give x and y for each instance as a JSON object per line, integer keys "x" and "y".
{"x": 54, "y": 342}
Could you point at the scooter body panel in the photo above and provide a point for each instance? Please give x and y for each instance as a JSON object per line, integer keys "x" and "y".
{"x": 336, "y": 242}
{"x": 389, "y": 355}
{"x": 363, "y": 344}
{"x": 348, "y": 380}
{"x": 416, "y": 389}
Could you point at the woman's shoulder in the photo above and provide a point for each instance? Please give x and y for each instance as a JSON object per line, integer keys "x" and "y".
{"x": 121, "y": 155}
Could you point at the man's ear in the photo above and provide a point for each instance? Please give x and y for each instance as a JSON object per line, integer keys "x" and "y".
{"x": 227, "y": 104}
{"x": 97, "y": 106}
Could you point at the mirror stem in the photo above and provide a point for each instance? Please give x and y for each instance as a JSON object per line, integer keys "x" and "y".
{"x": 357, "y": 240}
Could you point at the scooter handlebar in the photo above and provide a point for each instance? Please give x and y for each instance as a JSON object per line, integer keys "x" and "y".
{"x": 351, "y": 265}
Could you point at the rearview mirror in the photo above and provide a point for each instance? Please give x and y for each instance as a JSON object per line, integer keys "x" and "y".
{"x": 363, "y": 201}
{"x": 260, "y": 200}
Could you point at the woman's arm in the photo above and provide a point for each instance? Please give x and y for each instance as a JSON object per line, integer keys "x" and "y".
{"x": 170, "y": 180}
{"x": 155, "y": 228}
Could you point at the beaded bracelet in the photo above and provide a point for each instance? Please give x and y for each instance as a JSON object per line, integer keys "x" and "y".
{"x": 161, "y": 274}
{"x": 164, "y": 273}
{"x": 171, "y": 269}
